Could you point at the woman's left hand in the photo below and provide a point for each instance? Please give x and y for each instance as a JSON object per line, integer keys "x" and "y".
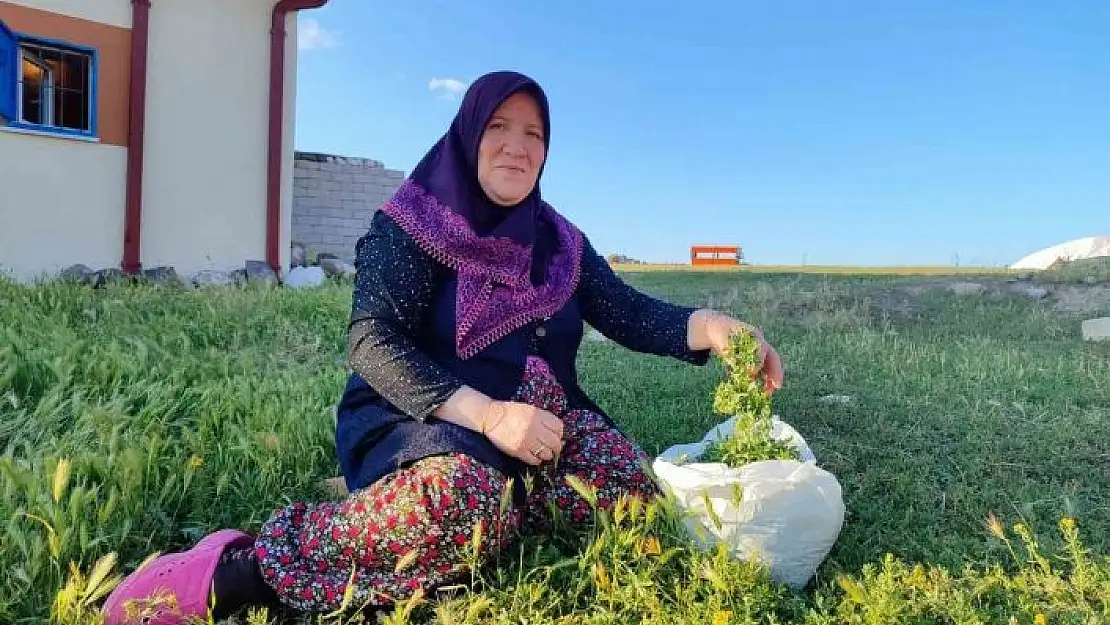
{"x": 717, "y": 328}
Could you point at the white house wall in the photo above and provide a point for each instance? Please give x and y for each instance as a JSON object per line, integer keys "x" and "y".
{"x": 205, "y": 161}
{"x": 61, "y": 203}
{"x": 204, "y": 204}
{"x": 62, "y": 199}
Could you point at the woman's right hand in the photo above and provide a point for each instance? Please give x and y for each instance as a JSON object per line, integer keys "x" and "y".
{"x": 523, "y": 431}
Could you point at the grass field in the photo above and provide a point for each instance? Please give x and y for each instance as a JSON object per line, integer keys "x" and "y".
{"x": 138, "y": 419}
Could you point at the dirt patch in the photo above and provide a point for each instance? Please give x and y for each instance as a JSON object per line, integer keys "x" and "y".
{"x": 895, "y": 303}
{"x": 1077, "y": 299}
{"x": 1064, "y": 298}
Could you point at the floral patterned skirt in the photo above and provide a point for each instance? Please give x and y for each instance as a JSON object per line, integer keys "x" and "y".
{"x": 414, "y": 529}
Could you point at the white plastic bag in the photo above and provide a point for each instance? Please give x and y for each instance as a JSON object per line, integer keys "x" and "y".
{"x": 786, "y": 514}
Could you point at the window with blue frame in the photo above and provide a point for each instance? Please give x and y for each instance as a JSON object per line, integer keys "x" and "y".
{"x": 47, "y": 85}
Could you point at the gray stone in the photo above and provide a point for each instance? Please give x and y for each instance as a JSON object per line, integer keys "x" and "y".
{"x": 165, "y": 276}
{"x": 260, "y": 271}
{"x": 104, "y": 277}
{"x": 331, "y": 265}
{"x": 1030, "y": 290}
{"x": 1096, "y": 329}
{"x": 80, "y": 274}
{"x": 297, "y": 255}
{"x": 211, "y": 277}
{"x": 966, "y": 288}
{"x": 336, "y": 268}
{"x": 841, "y": 400}
{"x": 239, "y": 277}
{"x": 305, "y": 277}
{"x": 1034, "y": 292}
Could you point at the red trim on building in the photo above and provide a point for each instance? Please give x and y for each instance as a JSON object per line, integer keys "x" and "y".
{"x": 136, "y": 128}
{"x": 277, "y": 125}
{"x": 137, "y": 106}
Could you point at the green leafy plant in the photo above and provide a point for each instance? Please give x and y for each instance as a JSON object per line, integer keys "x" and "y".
{"x": 743, "y": 394}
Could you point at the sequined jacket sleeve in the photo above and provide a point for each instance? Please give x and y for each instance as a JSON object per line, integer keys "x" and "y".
{"x": 392, "y": 295}
{"x": 631, "y": 318}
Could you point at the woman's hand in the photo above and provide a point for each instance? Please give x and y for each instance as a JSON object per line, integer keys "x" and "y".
{"x": 711, "y": 330}
{"x": 520, "y": 430}
{"x": 523, "y": 431}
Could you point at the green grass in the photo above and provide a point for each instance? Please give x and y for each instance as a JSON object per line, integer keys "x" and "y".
{"x": 174, "y": 413}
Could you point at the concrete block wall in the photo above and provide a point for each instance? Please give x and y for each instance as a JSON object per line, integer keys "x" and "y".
{"x": 334, "y": 198}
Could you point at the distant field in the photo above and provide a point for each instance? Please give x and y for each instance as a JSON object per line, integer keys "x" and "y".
{"x": 938, "y": 270}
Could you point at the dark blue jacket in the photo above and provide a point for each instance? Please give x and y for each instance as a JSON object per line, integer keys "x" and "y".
{"x": 404, "y": 365}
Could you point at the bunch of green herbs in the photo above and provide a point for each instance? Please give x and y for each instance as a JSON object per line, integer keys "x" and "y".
{"x": 743, "y": 393}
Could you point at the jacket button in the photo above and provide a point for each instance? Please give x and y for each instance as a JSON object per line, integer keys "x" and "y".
{"x": 541, "y": 331}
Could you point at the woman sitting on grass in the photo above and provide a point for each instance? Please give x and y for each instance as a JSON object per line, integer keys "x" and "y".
{"x": 468, "y": 311}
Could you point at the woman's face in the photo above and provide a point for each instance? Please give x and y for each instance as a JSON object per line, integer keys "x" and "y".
{"x": 512, "y": 150}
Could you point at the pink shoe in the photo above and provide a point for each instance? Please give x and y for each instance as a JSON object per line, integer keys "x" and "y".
{"x": 173, "y": 589}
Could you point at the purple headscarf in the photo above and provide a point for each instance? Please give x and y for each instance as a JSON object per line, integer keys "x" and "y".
{"x": 508, "y": 272}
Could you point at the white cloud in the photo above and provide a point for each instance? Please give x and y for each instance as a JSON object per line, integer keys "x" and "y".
{"x": 312, "y": 36}
{"x": 448, "y": 88}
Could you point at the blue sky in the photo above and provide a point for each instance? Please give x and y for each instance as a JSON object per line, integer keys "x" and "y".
{"x": 870, "y": 133}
